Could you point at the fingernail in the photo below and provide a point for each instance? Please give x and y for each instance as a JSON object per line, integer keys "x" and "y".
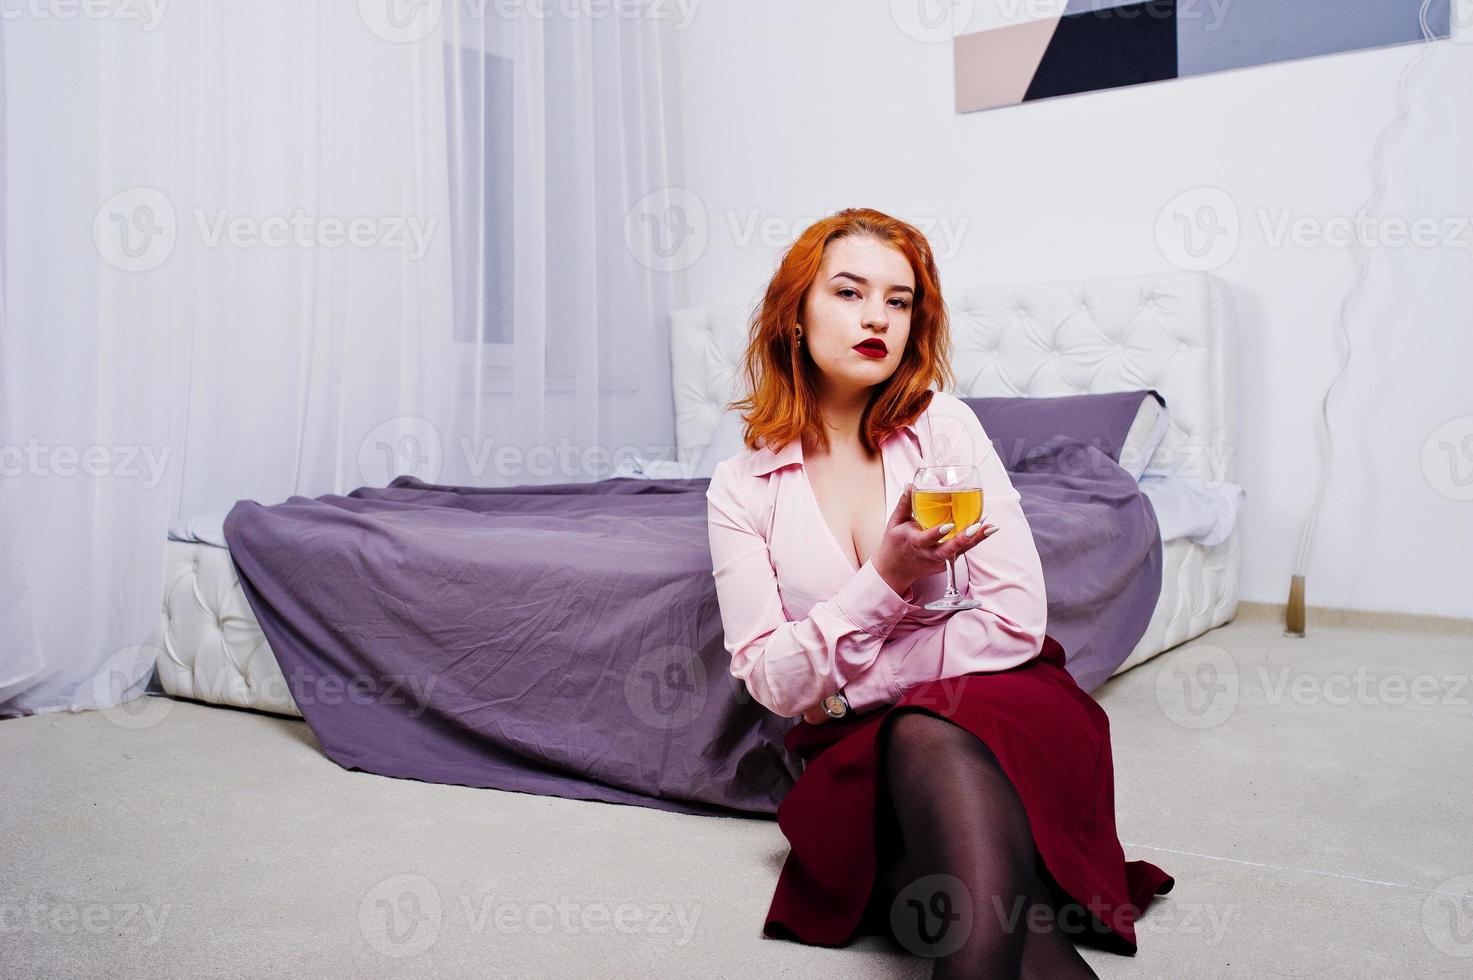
{"x": 946, "y": 528}
{"x": 991, "y": 530}
{"x": 973, "y": 529}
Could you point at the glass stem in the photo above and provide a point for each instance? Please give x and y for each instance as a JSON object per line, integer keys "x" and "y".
{"x": 951, "y": 592}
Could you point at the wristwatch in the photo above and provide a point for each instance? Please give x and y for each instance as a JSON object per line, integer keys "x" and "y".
{"x": 835, "y": 705}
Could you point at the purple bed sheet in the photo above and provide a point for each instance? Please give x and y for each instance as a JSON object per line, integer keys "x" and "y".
{"x": 566, "y": 640}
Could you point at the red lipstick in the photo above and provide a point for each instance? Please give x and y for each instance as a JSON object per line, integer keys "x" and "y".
{"x": 873, "y": 347}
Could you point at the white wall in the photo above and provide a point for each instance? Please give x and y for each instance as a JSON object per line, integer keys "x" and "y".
{"x": 791, "y": 111}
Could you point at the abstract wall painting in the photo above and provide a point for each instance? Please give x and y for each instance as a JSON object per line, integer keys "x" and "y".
{"x": 1100, "y": 44}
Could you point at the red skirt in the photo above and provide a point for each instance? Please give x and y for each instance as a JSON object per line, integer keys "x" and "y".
{"x": 1052, "y": 741}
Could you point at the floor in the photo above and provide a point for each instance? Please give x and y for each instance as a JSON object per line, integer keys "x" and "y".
{"x": 1311, "y": 795}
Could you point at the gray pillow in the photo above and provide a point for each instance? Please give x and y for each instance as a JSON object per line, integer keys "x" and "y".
{"x": 1127, "y": 426}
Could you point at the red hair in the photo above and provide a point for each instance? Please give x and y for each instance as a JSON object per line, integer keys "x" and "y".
{"x": 779, "y": 374}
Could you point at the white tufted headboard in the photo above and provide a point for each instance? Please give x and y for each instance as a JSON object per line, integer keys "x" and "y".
{"x": 1169, "y": 331}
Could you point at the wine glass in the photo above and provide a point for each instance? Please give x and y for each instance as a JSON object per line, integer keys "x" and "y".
{"x": 947, "y": 493}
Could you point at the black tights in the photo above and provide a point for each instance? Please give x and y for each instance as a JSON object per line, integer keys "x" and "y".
{"x": 958, "y": 877}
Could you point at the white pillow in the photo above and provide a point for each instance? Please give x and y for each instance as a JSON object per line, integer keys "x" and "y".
{"x": 726, "y": 442}
{"x": 1144, "y": 437}
{"x": 636, "y": 467}
{"x": 202, "y": 529}
{"x": 1188, "y": 507}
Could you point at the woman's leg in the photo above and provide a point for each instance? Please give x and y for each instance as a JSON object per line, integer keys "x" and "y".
{"x": 962, "y": 880}
{"x": 1048, "y": 951}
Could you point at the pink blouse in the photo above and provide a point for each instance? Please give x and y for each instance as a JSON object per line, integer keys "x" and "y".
{"x": 802, "y": 622}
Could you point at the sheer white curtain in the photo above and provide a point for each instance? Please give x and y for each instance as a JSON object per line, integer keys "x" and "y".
{"x": 18, "y": 641}
{"x": 260, "y": 250}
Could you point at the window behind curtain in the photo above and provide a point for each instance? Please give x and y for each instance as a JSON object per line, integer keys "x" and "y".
{"x": 478, "y": 102}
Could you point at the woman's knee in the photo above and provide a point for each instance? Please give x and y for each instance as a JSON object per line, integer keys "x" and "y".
{"x": 918, "y": 735}
{"x": 921, "y": 746}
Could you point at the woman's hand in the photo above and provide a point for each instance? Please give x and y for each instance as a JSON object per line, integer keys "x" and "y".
{"x": 909, "y": 551}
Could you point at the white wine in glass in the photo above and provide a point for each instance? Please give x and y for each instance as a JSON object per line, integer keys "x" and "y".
{"x": 942, "y": 494}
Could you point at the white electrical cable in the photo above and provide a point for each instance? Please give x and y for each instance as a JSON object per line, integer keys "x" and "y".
{"x": 1362, "y": 266}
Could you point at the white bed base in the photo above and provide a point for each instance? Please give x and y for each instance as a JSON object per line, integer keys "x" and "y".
{"x": 1168, "y": 331}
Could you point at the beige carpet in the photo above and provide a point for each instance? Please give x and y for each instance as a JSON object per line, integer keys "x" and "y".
{"x": 1313, "y": 798}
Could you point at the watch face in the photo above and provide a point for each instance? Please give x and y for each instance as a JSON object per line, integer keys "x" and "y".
{"x": 834, "y": 705}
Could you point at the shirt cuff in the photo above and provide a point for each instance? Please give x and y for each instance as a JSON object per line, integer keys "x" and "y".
{"x": 868, "y": 602}
{"x": 875, "y": 686}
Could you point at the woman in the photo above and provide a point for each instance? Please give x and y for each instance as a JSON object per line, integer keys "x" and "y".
{"x": 957, "y": 787}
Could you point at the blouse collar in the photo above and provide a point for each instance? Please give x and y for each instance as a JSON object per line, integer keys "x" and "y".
{"x": 768, "y": 460}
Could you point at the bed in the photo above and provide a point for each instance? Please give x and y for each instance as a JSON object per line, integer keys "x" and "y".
{"x": 1170, "y": 332}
